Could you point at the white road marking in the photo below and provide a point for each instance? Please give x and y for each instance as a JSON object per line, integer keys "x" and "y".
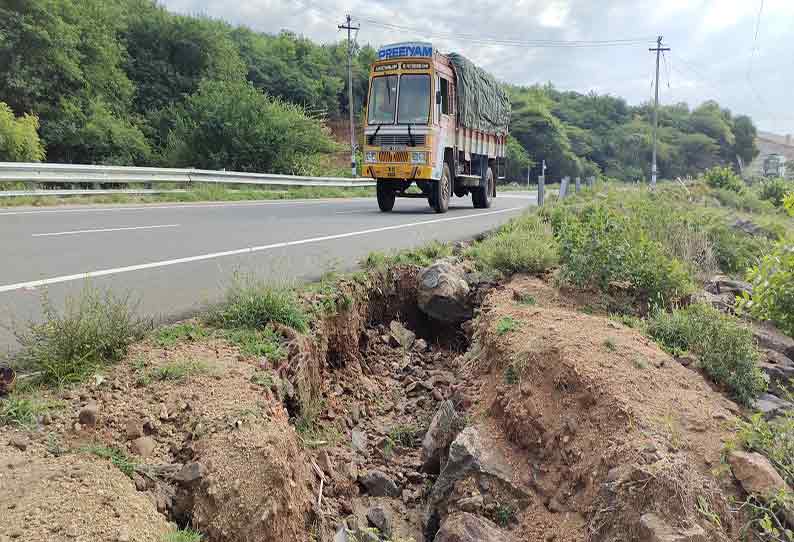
{"x": 76, "y": 232}
{"x": 360, "y": 211}
{"x": 248, "y": 250}
{"x": 182, "y": 206}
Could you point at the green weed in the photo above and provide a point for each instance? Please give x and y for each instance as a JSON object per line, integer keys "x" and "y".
{"x": 253, "y": 304}
{"x": 610, "y": 344}
{"x": 183, "y": 535}
{"x": 259, "y": 343}
{"x": 170, "y": 335}
{"x": 177, "y": 371}
{"x": 24, "y": 411}
{"x": 524, "y": 245}
{"x": 117, "y": 457}
{"x": 506, "y": 325}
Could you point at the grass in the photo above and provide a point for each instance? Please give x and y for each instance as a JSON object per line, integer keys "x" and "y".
{"x": 506, "y": 325}
{"x": 116, "y": 456}
{"x": 253, "y": 304}
{"x": 199, "y": 193}
{"x": 255, "y": 342}
{"x": 422, "y": 256}
{"x": 185, "y": 331}
{"x": 726, "y": 350}
{"x": 262, "y": 378}
{"x": 610, "y": 344}
{"x": 183, "y": 535}
{"x": 524, "y": 245}
{"x": 406, "y": 435}
{"x": 178, "y": 371}
{"x": 24, "y": 411}
{"x": 93, "y": 330}
{"x": 312, "y": 432}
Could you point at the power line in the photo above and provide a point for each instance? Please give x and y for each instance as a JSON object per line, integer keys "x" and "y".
{"x": 484, "y": 40}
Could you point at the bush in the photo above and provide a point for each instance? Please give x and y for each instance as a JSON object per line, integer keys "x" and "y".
{"x": 774, "y": 190}
{"x": 725, "y": 348}
{"x": 19, "y": 137}
{"x": 232, "y": 125}
{"x": 788, "y": 203}
{"x": 773, "y": 288}
{"x": 599, "y": 246}
{"x": 735, "y": 250}
{"x": 723, "y": 177}
{"x": 92, "y": 331}
{"x": 524, "y": 245}
{"x": 253, "y": 304}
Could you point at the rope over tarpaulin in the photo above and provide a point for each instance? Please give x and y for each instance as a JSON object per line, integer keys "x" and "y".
{"x": 482, "y": 102}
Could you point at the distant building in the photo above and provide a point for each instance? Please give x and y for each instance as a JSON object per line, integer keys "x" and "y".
{"x": 775, "y": 152}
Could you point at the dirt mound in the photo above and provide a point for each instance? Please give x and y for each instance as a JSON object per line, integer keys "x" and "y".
{"x": 257, "y": 486}
{"x": 610, "y": 426}
{"x": 73, "y": 497}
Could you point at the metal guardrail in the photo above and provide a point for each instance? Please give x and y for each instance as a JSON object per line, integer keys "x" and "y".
{"x": 81, "y": 174}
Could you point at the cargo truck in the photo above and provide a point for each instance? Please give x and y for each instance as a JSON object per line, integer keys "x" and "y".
{"x": 435, "y": 121}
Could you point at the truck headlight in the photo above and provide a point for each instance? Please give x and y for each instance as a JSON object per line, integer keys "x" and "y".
{"x": 370, "y": 157}
{"x": 418, "y": 157}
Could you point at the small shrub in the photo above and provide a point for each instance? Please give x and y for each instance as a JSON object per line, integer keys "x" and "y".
{"x": 253, "y": 304}
{"x": 788, "y": 203}
{"x": 774, "y": 190}
{"x": 506, "y": 325}
{"x": 259, "y": 343}
{"x": 120, "y": 459}
{"x": 525, "y": 245}
{"x": 404, "y": 435}
{"x": 610, "y": 344}
{"x": 183, "y": 535}
{"x": 23, "y": 411}
{"x": 736, "y": 251}
{"x": 170, "y": 335}
{"x": 773, "y": 293}
{"x": 726, "y": 349}
{"x": 179, "y": 370}
{"x": 94, "y": 330}
{"x": 423, "y": 256}
{"x": 723, "y": 177}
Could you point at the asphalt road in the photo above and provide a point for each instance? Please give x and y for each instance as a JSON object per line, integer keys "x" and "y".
{"x": 177, "y": 258}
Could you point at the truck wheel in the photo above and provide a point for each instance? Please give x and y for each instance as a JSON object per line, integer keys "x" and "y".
{"x": 439, "y": 197}
{"x": 386, "y": 196}
{"x": 481, "y": 196}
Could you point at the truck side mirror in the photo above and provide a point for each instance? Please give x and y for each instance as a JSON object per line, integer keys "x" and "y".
{"x": 438, "y": 97}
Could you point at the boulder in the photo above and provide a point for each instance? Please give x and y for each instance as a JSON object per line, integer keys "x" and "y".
{"x": 143, "y": 446}
{"x": 655, "y": 529}
{"x": 380, "y": 518}
{"x": 464, "y": 527}
{"x": 756, "y": 474}
{"x": 359, "y": 440}
{"x": 402, "y": 336}
{"x": 444, "y": 427}
{"x": 721, "y": 284}
{"x": 379, "y": 484}
{"x": 443, "y": 293}
{"x": 780, "y": 370}
{"x": 89, "y": 414}
{"x": 749, "y": 227}
{"x": 771, "y": 405}
{"x": 771, "y": 338}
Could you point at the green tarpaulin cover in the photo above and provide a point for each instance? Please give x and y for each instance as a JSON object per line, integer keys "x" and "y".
{"x": 482, "y": 102}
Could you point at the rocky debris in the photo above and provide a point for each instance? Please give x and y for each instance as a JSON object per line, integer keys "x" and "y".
{"x": 326, "y": 464}
{"x": 773, "y": 339}
{"x": 474, "y": 463}
{"x": 143, "y": 446}
{"x": 190, "y": 473}
{"x": 724, "y": 302}
{"x": 359, "y": 441}
{"x": 472, "y": 504}
{"x": 401, "y": 336}
{"x": 420, "y": 345}
{"x": 465, "y": 527}
{"x": 443, "y": 293}
{"x": 772, "y": 406}
{"x": 378, "y": 484}
{"x": 444, "y": 427}
{"x": 380, "y": 518}
{"x": 721, "y": 284}
{"x": 655, "y": 529}
{"x": 133, "y": 429}
{"x": 89, "y": 414}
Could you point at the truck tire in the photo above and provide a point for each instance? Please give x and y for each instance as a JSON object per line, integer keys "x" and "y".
{"x": 439, "y": 197}
{"x": 481, "y": 196}
{"x": 386, "y": 197}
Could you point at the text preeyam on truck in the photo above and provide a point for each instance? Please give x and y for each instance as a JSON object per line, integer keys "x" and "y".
{"x": 436, "y": 120}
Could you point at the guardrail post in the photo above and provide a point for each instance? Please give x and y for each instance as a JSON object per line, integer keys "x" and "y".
{"x": 541, "y": 190}
{"x": 564, "y": 187}
{"x": 578, "y": 184}
{"x": 590, "y": 182}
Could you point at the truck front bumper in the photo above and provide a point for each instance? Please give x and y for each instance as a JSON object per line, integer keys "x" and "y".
{"x": 398, "y": 171}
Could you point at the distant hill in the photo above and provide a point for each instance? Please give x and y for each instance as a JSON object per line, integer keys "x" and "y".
{"x": 769, "y": 143}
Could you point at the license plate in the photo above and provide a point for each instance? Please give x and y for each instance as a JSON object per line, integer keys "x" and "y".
{"x": 391, "y": 171}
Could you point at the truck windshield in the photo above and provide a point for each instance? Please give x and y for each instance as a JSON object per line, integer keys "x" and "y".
{"x": 383, "y": 99}
{"x": 414, "y": 105}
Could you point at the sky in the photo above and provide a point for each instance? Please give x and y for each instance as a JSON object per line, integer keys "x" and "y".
{"x": 738, "y": 52}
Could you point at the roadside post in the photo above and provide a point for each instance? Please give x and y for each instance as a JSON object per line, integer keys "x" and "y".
{"x": 590, "y": 182}
{"x": 564, "y": 187}
{"x": 542, "y": 184}
{"x": 578, "y": 184}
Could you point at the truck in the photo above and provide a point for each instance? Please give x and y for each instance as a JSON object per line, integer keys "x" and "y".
{"x": 435, "y": 121}
{"x": 775, "y": 166}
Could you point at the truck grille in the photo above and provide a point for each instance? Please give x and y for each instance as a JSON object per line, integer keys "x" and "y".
{"x": 393, "y": 156}
{"x": 397, "y": 139}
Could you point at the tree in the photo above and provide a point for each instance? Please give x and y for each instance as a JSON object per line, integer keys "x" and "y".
{"x": 518, "y": 161}
{"x": 19, "y": 138}
{"x": 233, "y": 125}
{"x": 745, "y": 135}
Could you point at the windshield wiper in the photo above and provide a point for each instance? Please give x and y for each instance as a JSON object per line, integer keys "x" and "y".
{"x": 372, "y": 137}
{"x": 411, "y": 136}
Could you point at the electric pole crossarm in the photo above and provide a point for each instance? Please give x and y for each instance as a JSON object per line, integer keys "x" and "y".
{"x": 658, "y": 49}
{"x": 349, "y": 27}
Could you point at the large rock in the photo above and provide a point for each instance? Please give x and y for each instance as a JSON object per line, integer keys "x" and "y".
{"x": 474, "y": 463}
{"x": 772, "y": 406}
{"x": 772, "y": 338}
{"x": 655, "y": 529}
{"x": 756, "y": 474}
{"x": 403, "y": 336}
{"x": 444, "y": 427}
{"x": 464, "y": 527}
{"x": 443, "y": 293}
{"x": 379, "y": 484}
{"x": 380, "y": 518}
{"x": 780, "y": 370}
{"x": 721, "y": 284}
{"x": 89, "y": 414}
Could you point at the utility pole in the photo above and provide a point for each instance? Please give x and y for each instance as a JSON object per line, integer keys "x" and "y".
{"x": 349, "y": 27}
{"x": 659, "y": 49}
